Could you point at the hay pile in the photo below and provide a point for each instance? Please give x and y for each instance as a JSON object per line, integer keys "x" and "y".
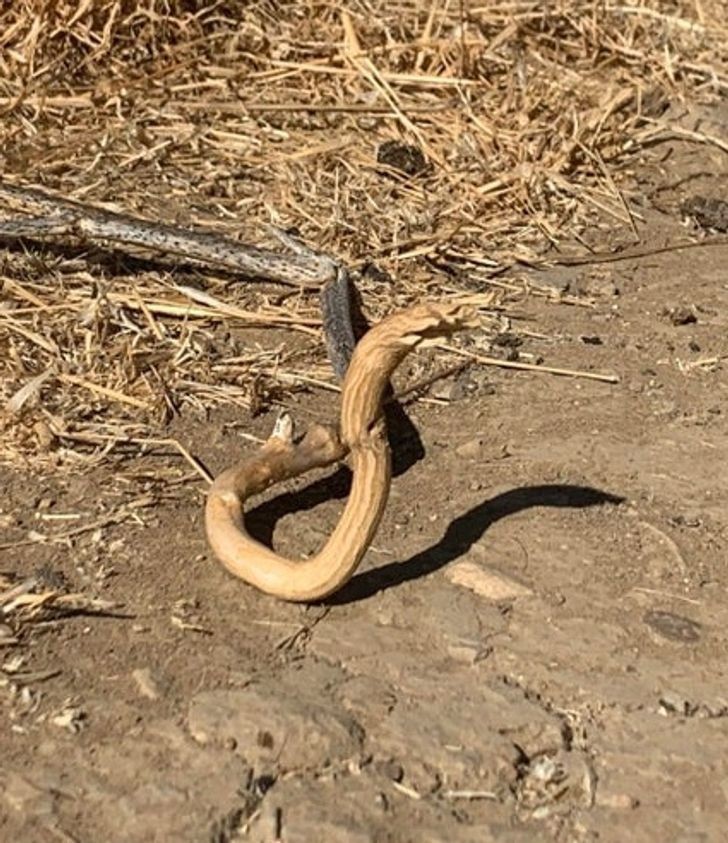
{"x": 520, "y": 117}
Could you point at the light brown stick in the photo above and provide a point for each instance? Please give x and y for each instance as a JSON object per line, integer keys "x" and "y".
{"x": 362, "y": 432}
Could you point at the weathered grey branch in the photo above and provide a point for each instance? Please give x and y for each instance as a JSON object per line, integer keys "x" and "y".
{"x": 56, "y": 217}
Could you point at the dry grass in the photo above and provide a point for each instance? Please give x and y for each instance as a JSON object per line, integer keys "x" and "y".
{"x": 236, "y": 114}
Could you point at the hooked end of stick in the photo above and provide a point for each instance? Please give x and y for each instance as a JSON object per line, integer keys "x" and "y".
{"x": 453, "y": 317}
{"x": 439, "y": 320}
{"x": 283, "y": 428}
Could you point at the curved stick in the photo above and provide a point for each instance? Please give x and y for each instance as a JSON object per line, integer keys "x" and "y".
{"x": 362, "y": 432}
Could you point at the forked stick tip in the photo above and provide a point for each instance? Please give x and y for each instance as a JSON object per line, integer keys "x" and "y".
{"x": 283, "y": 428}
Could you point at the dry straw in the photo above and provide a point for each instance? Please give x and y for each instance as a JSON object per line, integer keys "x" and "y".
{"x": 236, "y": 115}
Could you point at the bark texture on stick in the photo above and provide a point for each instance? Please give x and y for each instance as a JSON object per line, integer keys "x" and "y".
{"x": 58, "y": 217}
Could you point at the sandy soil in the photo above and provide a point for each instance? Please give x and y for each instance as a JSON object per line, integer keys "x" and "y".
{"x": 536, "y": 645}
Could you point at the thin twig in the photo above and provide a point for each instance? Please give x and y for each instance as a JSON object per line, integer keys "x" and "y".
{"x": 632, "y": 254}
{"x": 116, "y": 517}
{"x": 529, "y": 367}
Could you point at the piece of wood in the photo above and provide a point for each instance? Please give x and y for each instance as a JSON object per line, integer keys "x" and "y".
{"x": 57, "y": 217}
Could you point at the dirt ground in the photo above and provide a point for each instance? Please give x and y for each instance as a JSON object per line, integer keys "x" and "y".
{"x": 534, "y": 649}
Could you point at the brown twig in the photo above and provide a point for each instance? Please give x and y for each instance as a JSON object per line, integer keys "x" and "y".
{"x": 634, "y": 254}
{"x": 530, "y": 367}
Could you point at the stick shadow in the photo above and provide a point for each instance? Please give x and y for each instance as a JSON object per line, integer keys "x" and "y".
{"x": 467, "y": 529}
{"x": 407, "y": 449}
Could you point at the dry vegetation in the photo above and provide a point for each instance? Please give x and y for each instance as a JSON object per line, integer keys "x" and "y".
{"x": 233, "y": 115}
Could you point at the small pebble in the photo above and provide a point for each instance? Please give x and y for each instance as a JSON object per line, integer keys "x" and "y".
{"x": 621, "y": 801}
{"x": 673, "y": 627}
{"x": 470, "y": 449}
{"x": 405, "y": 157}
{"x": 464, "y": 653}
{"x": 146, "y": 683}
{"x": 390, "y": 770}
{"x": 486, "y": 583}
{"x": 682, "y": 315}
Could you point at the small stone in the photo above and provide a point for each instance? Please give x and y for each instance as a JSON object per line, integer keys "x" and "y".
{"x": 445, "y": 391}
{"x": 507, "y": 449}
{"x": 506, "y": 340}
{"x": 390, "y": 770}
{"x": 673, "y": 703}
{"x": 465, "y": 653}
{"x": 707, "y": 211}
{"x": 7, "y": 521}
{"x": 595, "y": 285}
{"x": 470, "y": 449}
{"x": 682, "y": 315}
{"x": 620, "y": 801}
{"x": 673, "y": 627}
{"x": 374, "y": 273}
{"x": 486, "y": 582}
{"x": 146, "y": 683}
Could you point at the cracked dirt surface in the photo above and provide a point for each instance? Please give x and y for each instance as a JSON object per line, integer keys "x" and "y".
{"x": 535, "y": 647}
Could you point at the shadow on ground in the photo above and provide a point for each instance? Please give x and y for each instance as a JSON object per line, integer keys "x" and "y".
{"x": 458, "y": 538}
{"x": 407, "y": 449}
{"x": 464, "y": 531}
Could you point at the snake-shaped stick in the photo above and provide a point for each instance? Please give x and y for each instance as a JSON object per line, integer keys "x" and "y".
{"x": 361, "y": 433}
